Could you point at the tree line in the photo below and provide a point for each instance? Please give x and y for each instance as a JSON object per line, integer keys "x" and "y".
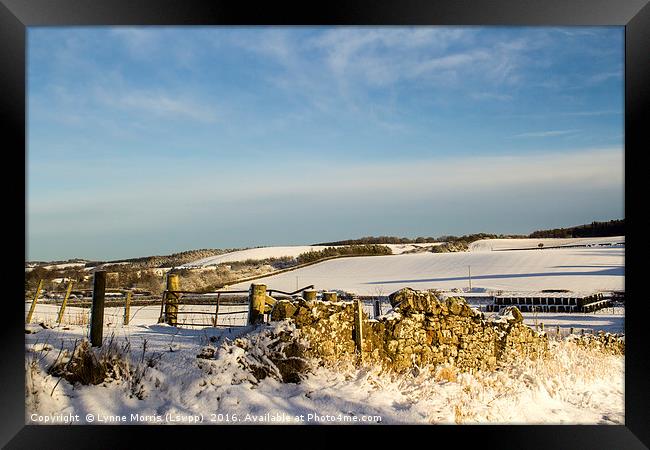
{"x": 351, "y": 250}
{"x": 594, "y": 229}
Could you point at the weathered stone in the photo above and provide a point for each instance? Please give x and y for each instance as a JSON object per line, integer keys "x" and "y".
{"x": 408, "y": 300}
{"x": 283, "y": 309}
{"x": 514, "y": 312}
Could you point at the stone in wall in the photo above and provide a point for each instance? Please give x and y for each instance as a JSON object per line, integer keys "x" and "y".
{"x": 613, "y": 344}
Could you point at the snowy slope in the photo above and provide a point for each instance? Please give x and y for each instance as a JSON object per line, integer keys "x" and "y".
{"x": 398, "y": 249}
{"x": 577, "y": 269}
{"x": 505, "y": 244}
{"x": 255, "y": 253}
{"x": 291, "y": 251}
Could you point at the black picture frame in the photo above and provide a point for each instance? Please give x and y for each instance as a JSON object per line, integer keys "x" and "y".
{"x": 634, "y": 15}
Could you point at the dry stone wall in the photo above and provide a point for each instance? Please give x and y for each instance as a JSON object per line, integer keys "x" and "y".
{"x": 421, "y": 329}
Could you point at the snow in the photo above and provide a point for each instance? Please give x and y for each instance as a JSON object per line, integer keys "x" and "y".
{"x": 586, "y": 269}
{"x": 140, "y": 315}
{"x": 255, "y": 253}
{"x": 64, "y": 265}
{"x": 505, "y": 244}
{"x": 590, "y": 322}
{"x": 398, "y": 249}
{"x": 575, "y": 386}
{"x": 290, "y": 251}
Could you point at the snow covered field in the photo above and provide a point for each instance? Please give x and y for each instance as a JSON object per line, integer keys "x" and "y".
{"x": 286, "y": 251}
{"x": 255, "y": 253}
{"x": 576, "y": 269}
{"x": 575, "y": 386}
{"x": 504, "y": 244}
{"x": 482, "y": 245}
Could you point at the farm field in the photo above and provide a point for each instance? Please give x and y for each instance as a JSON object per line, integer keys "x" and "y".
{"x": 504, "y": 244}
{"x": 575, "y": 269}
{"x": 284, "y": 251}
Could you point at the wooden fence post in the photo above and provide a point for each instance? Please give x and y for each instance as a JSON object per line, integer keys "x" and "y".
{"x": 97, "y": 315}
{"x": 127, "y": 307}
{"x": 256, "y": 303}
{"x": 309, "y": 295}
{"x": 171, "y": 299}
{"x": 377, "y": 307}
{"x": 541, "y": 325}
{"x": 216, "y": 310}
{"x": 358, "y": 327}
{"x": 59, "y": 318}
{"x": 33, "y": 307}
{"x": 329, "y": 296}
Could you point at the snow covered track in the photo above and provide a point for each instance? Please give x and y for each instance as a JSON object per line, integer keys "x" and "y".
{"x": 576, "y": 269}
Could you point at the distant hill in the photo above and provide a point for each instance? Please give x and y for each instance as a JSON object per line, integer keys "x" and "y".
{"x": 174, "y": 259}
{"x": 594, "y": 229}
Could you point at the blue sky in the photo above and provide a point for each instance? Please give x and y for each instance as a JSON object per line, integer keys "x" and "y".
{"x": 152, "y": 140}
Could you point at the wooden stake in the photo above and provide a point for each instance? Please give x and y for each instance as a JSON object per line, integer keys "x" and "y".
{"x": 216, "y": 310}
{"x": 33, "y": 307}
{"x": 309, "y": 295}
{"x": 127, "y": 307}
{"x": 329, "y": 296}
{"x": 97, "y": 314}
{"x": 171, "y": 299}
{"x": 377, "y": 308}
{"x": 256, "y": 303}
{"x": 59, "y": 319}
{"x": 358, "y": 327}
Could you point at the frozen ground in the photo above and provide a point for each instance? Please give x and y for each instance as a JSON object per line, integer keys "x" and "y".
{"x": 504, "y": 244}
{"x": 574, "y": 386}
{"x": 575, "y": 269}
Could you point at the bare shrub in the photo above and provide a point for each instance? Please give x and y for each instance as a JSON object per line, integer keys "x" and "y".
{"x": 90, "y": 366}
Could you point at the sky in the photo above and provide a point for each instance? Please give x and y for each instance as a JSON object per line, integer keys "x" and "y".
{"x": 153, "y": 140}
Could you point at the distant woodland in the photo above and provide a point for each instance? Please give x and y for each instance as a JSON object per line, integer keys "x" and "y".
{"x": 594, "y": 229}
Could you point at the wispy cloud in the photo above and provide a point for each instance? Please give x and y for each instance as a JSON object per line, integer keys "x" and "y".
{"x": 604, "y": 76}
{"x": 140, "y": 42}
{"x": 549, "y": 133}
{"x": 491, "y": 96}
{"x": 158, "y": 103}
{"x": 592, "y": 113}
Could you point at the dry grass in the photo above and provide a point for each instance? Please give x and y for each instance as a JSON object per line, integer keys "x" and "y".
{"x": 79, "y": 318}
